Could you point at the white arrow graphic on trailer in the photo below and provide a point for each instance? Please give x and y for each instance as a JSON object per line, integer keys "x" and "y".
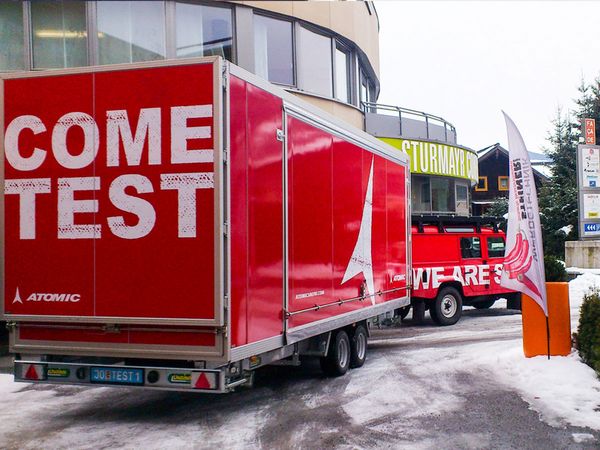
{"x": 17, "y": 297}
{"x": 361, "y": 260}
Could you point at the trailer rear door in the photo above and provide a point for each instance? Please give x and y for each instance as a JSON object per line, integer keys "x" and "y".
{"x": 113, "y": 194}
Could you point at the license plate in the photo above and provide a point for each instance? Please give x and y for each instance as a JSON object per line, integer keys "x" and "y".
{"x": 111, "y": 375}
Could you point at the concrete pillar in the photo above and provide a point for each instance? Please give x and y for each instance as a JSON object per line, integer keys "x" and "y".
{"x": 582, "y": 254}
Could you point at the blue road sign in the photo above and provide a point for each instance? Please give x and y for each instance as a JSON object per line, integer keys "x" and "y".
{"x": 591, "y": 228}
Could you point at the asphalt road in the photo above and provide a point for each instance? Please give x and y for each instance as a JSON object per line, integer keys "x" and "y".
{"x": 382, "y": 405}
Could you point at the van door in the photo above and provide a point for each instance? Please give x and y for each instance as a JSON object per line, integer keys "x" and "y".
{"x": 495, "y": 246}
{"x": 472, "y": 266}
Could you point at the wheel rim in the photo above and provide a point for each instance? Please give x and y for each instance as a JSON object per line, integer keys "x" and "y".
{"x": 449, "y": 306}
{"x": 361, "y": 345}
{"x": 343, "y": 352}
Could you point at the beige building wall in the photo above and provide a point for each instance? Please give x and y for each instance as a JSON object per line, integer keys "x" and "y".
{"x": 349, "y": 114}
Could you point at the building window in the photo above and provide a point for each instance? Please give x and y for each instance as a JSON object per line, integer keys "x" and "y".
{"x": 503, "y": 183}
{"x": 315, "y": 63}
{"x": 12, "y": 56}
{"x": 273, "y": 54}
{"x": 203, "y": 31}
{"x": 130, "y": 31}
{"x": 426, "y": 193}
{"x": 58, "y": 33}
{"x": 462, "y": 199}
{"x": 482, "y": 185}
{"x": 363, "y": 89}
{"x": 442, "y": 195}
{"x": 342, "y": 74}
{"x": 372, "y": 92}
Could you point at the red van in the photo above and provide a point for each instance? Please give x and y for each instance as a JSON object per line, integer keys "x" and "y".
{"x": 456, "y": 261}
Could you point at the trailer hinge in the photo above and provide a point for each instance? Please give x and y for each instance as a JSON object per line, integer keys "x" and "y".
{"x": 280, "y": 135}
{"x": 225, "y": 228}
{"x": 222, "y": 330}
{"x": 224, "y": 79}
{"x": 225, "y": 155}
{"x": 11, "y": 326}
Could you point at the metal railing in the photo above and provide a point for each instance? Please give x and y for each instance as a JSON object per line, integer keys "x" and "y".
{"x": 406, "y": 123}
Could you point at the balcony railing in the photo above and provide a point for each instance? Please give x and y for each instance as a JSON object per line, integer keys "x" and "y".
{"x": 396, "y": 122}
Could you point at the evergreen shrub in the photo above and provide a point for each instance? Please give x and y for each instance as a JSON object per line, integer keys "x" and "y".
{"x": 588, "y": 331}
{"x": 555, "y": 269}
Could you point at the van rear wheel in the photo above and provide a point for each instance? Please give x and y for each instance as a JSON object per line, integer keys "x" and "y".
{"x": 447, "y": 307}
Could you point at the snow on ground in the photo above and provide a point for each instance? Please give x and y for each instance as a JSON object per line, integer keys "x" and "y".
{"x": 406, "y": 379}
{"x": 562, "y": 389}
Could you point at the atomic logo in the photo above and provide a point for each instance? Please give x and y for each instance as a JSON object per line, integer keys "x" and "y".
{"x": 17, "y": 297}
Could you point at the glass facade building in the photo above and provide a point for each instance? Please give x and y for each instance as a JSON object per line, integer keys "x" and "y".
{"x": 297, "y": 54}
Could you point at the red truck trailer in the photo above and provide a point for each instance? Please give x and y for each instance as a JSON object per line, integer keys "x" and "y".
{"x": 179, "y": 224}
{"x": 456, "y": 261}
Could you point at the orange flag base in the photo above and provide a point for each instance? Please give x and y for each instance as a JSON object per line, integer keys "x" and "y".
{"x": 559, "y": 319}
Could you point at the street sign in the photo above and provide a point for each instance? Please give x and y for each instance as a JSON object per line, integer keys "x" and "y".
{"x": 590, "y": 131}
{"x": 588, "y": 181}
{"x": 591, "y": 229}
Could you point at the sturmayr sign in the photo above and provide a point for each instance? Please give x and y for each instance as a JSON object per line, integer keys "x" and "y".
{"x": 433, "y": 158}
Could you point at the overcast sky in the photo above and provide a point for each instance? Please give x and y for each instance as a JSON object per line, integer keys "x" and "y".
{"x": 466, "y": 61}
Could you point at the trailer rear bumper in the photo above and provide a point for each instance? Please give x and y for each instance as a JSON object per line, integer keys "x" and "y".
{"x": 166, "y": 378}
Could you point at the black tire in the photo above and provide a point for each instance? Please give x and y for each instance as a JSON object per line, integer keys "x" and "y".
{"x": 337, "y": 361}
{"x": 403, "y": 312}
{"x": 447, "y": 307}
{"x": 358, "y": 347}
{"x": 513, "y": 301}
{"x": 418, "y": 315}
{"x": 486, "y": 304}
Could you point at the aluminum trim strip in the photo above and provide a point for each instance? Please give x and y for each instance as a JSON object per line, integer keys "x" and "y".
{"x": 322, "y": 326}
{"x": 111, "y": 320}
{"x": 256, "y": 348}
{"x": 111, "y": 67}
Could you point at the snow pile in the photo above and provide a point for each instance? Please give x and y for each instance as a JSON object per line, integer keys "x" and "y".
{"x": 560, "y": 389}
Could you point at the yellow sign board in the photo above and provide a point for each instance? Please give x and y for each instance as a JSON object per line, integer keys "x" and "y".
{"x": 433, "y": 158}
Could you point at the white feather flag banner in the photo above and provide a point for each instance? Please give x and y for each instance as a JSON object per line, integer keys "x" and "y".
{"x": 523, "y": 268}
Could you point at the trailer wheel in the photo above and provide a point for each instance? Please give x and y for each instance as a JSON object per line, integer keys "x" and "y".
{"x": 358, "y": 347}
{"x": 337, "y": 361}
{"x": 447, "y": 308}
{"x": 486, "y": 304}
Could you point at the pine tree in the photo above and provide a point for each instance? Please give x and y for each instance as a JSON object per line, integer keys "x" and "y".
{"x": 558, "y": 197}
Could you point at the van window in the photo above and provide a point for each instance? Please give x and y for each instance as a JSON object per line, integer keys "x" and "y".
{"x": 470, "y": 247}
{"x": 495, "y": 246}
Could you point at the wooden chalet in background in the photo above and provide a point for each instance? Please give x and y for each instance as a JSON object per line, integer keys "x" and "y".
{"x": 493, "y": 176}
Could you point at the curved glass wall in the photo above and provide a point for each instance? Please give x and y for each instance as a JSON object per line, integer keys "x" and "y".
{"x": 284, "y": 50}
